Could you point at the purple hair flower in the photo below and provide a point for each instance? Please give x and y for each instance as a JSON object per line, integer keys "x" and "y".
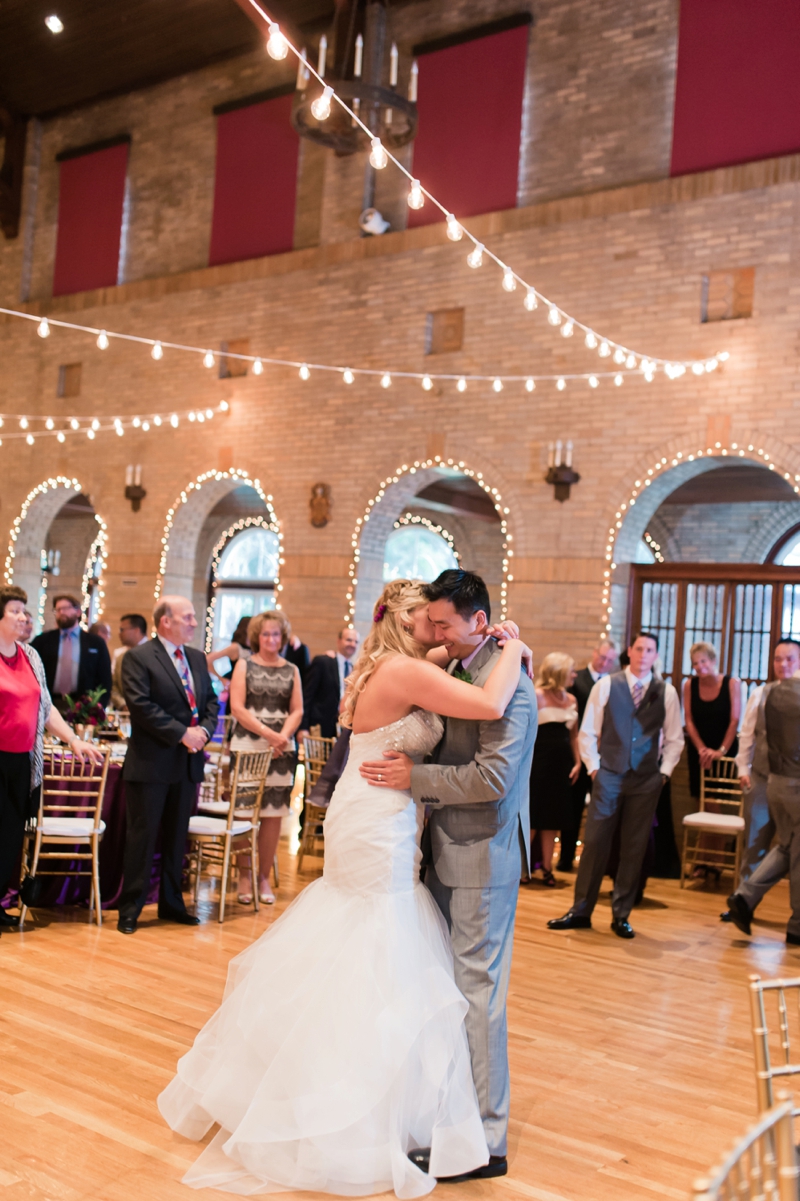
{"x": 379, "y": 613}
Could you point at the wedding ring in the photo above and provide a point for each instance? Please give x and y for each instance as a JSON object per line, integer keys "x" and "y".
{"x": 380, "y": 777}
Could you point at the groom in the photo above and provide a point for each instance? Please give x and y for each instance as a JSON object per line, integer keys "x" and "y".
{"x": 479, "y": 837}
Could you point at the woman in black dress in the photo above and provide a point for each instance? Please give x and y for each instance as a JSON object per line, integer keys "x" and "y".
{"x": 556, "y": 760}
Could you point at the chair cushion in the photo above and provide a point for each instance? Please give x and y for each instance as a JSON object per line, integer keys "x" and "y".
{"x": 719, "y": 823}
{"x": 220, "y": 807}
{"x": 215, "y": 826}
{"x": 77, "y": 829}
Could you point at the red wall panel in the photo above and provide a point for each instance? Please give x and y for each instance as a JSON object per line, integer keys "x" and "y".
{"x": 256, "y": 182}
{"x": 738, "y": 87}
{"x": 470, "y": 120}
{"x": 90, "y": 200}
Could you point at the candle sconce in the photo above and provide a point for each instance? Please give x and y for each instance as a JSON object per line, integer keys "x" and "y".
{"x": 559, "y": 469}
{"x": 134, "y": 492}
{"x": 50, "y": 562}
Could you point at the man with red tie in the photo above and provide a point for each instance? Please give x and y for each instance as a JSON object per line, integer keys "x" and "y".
{"x": 173, "y": 711}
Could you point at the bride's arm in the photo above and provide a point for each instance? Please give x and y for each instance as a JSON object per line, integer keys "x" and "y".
{"x": 421, "y": 684}
{"x": 439, "y": 656}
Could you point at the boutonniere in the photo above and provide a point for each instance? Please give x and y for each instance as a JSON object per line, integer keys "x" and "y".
{"x": 466, "y": 676}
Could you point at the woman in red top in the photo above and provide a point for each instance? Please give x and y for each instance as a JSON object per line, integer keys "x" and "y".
{"x": 25, "y": 712}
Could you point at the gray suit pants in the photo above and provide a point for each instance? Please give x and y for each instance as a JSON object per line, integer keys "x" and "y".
{"x": 481, "y": 922}
{"x": 783, "y": 794}
{"x": 759, "y": 828}
{"x": 628, "y": 801}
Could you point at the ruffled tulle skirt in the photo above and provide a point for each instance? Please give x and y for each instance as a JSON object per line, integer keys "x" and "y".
{"x": 339, "y": 1047}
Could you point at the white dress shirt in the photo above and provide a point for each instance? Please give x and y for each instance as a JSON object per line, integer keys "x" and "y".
{"x": 592, "y": 725}
{"x": 747, "y": 734}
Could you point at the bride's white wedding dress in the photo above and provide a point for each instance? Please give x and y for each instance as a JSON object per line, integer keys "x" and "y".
{"x": 340, "y": 1043}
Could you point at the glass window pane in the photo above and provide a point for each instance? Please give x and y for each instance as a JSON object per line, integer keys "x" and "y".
{"x": 790, "y": 554}
{"x": 643, "y": 553}
{"x": 251, "y": 555}
{"x": 416, "y": 553}
{"x": 231, "y": 606}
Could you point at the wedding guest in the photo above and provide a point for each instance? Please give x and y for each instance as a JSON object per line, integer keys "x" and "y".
{"x": 102, "y": 629}
{"x": 75, "y": 661}
{"x": 620, "y": 742}
{"x": 173, "y": 713}
{"x": 602, "y": 661}
{"x": 238, "y": 648}
{"x": 556, "y": 759}
{"x": 324, "y": 686}
{"x": 296, "y": 652}
{"x": 267, "y": 702}
{"x": 26, "y": 711}
{"x": 132, "y": 632}
{"x": 27, "y": 629}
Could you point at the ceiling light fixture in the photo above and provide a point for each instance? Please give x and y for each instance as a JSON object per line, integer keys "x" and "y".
{"x": 54, "y": 24}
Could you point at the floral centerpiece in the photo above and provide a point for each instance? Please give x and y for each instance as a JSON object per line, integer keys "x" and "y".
{"x": 86, "y": 711}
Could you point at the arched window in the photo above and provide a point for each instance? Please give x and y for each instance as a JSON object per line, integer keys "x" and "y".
{"x": 243, "y": 580}
{"x": 414, "y": 552}
{"x": 788, "y": 554}
{"x": 643, "y": 553}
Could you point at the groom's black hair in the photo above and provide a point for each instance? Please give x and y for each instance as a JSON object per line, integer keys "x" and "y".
{"x": 465, "y": 590}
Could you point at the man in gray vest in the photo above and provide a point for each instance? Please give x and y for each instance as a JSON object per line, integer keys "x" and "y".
{"x": 780, "y": 704}
{"x": 626, "y": 717}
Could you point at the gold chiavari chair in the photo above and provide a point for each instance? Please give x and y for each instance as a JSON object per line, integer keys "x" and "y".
{"x": 69, "y": 818}
{"x": 762, "y": 1167}
{"x": 779, "y": 1066}
{"x": 316, "y": 752}
{"x": 721, "y": 802}
{"x": 213, "y": 839}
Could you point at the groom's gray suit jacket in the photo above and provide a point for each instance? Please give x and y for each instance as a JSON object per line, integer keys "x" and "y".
{"x": 478, "y": 786}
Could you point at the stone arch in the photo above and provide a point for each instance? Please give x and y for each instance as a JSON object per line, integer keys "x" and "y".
{"x": 394, "y": 496}
{"x": 184, "y": 561}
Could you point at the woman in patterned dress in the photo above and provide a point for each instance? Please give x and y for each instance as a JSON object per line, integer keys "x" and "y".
{"x": 267, "y": 702}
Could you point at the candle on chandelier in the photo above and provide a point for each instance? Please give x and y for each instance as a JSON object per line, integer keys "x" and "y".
{"x": 323, "y": 54}
{"x": 568, "y": 455}
{"x": 129, "y": 475}
{"x": 413, "y": 82}
{"x": 359, "y": 57}
{"x": 393, "y": 60}
{"x": 551, "y": 454}
{"x": 559, "y": 448}
{"x": 137, "y": 475}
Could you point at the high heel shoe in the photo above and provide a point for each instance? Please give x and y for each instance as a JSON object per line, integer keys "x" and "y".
{"x": 548, "y": 879}
{"x": 267, "y": 898}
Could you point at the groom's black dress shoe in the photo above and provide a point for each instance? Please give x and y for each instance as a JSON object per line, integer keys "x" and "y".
{"x": 622, "y": 928}
{"x": 178, "y": 915}
{"x": 741, "y": 913}
{"x": 570, "y": 921}
{"x": 9, "y": 920}
{"x": 497, "y": 1166}
{"x": 126, "y": 924}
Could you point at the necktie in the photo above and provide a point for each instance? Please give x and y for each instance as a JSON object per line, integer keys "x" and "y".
{"x": 183, "y": 672}
{"x": 63, "y": 683}
{"x": 638, "y": 693}
{"x": 348, "y": 667}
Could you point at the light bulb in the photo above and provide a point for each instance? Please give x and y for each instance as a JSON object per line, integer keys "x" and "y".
{"x": 277, "y": 46}
{"x": 120, "y": 431}
{"x": 461, "y": 386}
{"x": 698, "y": 368}
{"x": 190, "y": 415}
{"x": 530, "y": 385}
{"x": 208, "y": 359}
{"x": 258, "y": 367}
{"x": 95, "y": 424}
{"x": 60, "y": 436}
{"x": 509, "y": 282}
{"x": 304, "y": 372}
{"x": 157, "y": 352}
{"x": 377, "y": 156}
{"x": 454, "y": 231}
{"x": 415, "y": 196}
{"x": 145, "y": 426}
{"x": 567, "y": 330}
{"x": 618, "y": 380}
{"x": 630, "y": 362}
{"x": 49, "y": 423}
{"x": 43, "y": 329}
{"x": 590, "y": 341}
{"x": 554, "y": 317}
{"x": 475, "y": 257}
{"x": 23, "y": 423}
{"x": 321, "y": 108}
{"x": 102, "y": 340}
{"x": 386, "y": 380}
{"x": 723, "y": 356}
{"x": 29, "y": 439}
{"x": 201, "y": 417}
{"x": 427, "y": 383}
{"x": 137, "y": 421}
{"x": 156, "y": 420}
{"x": 712, "y": 364}
{"x": 348, "y": 376}
{"x": 223, "y": 406}
{"x": 605, "y": 350}
{"x": 209, "y": 413}
{"x": 75, "y": 424}
{"x": 90, "y": 434}
{"x": 54, "y": 23}
{"x": 174, "y": 421}
{"x": 530, "y": 300}
{"x": 619, "y": 355}
{"x": 593, "y": 381}
{"x": 497, "y": 385}
{"x": 561, "y": 384}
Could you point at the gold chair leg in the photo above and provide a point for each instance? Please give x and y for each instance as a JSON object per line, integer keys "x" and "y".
{"x": 226, "y": 865}
{"x": 198, "y": 863}
{"x": 254, "y": 867}
{"x": 96, "y": 879}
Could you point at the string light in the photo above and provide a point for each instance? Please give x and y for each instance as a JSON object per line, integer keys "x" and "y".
{"x": 258, "y": 367}
{"x": 43, "y": 328}
{"x": 497, "y": 385}
{"x": 208, "y": 359}
{"x": 377, "y": 156}
{"x": 304, "y": 372}
{"x": 509, "y": 282}
{"x": 475, "y": 257}
{"x": 174, "y": 421}
{"x": 567, "y": 330}
{"x": 157, "y": 352}
{"x": 348, "y": 376}
{"x": 530, "y": 300}
{"x": 427, "y": 383}
{"x": 553, "y": 315}
{"x": 417, "y": 519}
{"x": 23, "y": 423}
{"x": 48, "y": 485}
{"x": 48, "y": 424}
{"x": 619, "y": 380}
{"x": 604, "y": 350}
{"x": 102, "y": 340}
{"x": 244, "y": 523}
{"x": 386, "y": 380}
{"x": 590, "y": 341}
{"x": 321, "y": 107}
{"x": 98, "y": 424}
{"x": 30, "y": 439}
{"x": 95, "y": 563}
{"x": 454, "y": 231}
{"x": 530, "y": 385}
{"x": 277, "y": 46}
{"x": 461, "y": 386}
{"x": 593, "y": 381}
{"x": 415, "y": 197}
{"x": 561, "y": 384}
{"x": 76, "y": 425}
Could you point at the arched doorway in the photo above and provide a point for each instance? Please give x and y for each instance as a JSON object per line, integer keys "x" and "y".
{"x": 452, "y": 516}
{"x": 58, "y": 544}
{"x": 209, "y": 512}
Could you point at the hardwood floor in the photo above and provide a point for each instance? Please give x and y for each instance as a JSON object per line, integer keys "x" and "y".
{"x": 631, "y": 1062}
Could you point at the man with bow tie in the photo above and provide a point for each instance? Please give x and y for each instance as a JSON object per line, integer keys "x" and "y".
{"x": 631, "y": 740}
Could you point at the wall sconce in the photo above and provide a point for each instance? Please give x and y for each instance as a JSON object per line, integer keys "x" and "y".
{"x": 134, "y": 492}
{"x": 50, "y": 562}
{"x": 559, "y": 469}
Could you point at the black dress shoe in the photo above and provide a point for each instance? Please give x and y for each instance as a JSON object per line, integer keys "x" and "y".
{"x": 741, "y": 913}
{"x": 178, "y": 915}
{"x": 726, "y": 916}
{"x": 622, "y": 928}
{"x": 9, "y": 920}
{"x": 127, "y": 925}
{"x": 564, "y": 867}
{"x": 570, "y": 921}
{"x": 497, "y": 1166}
{"x": 793, "y": 939}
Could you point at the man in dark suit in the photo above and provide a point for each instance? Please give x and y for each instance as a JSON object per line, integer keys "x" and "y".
{"x": 74, "y": 662}
{"x": 324, "y": 685}
{"x": 602, "y": 661}
{"x": 173, "y": 711}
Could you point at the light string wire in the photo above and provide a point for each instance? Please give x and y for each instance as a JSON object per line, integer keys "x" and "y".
{"x": 456, "y": 229}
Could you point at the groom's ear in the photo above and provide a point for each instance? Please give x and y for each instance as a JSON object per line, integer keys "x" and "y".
{"x": 481, "y": 622}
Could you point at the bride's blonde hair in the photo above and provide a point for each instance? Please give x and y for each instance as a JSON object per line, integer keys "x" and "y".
{"x": 389, "y": 636}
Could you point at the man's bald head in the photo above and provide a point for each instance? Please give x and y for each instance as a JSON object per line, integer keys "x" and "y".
{"x": 174, "y": 619}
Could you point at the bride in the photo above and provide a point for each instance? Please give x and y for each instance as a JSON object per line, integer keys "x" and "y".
{"x": 340, "y": 1044}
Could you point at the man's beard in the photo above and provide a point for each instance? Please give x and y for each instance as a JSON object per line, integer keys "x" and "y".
{"x": 66, "y": 623}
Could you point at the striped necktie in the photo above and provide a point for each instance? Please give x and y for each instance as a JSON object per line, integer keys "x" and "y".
{"x": 637, "y": 694}
{"x": 183, "y": 672}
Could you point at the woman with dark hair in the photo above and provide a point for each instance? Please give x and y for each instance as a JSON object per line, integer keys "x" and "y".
{"x": 26, "y": 711}
{"x": 238, "y": 648}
